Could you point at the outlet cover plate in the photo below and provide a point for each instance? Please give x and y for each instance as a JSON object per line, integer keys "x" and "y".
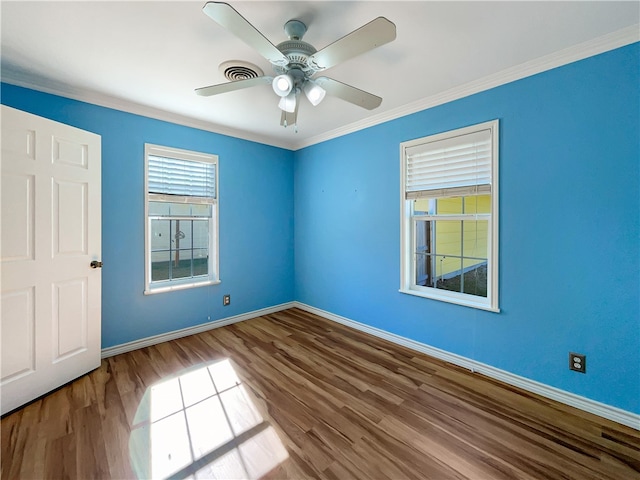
{"x": 577, "y": 362}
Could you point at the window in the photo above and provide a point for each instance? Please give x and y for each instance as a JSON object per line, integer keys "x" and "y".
{"x": 449, "y": 232}
{"x": 181, "y": 205}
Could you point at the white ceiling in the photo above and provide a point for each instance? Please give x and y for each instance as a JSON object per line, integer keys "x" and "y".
{"x": 148, "y": 56}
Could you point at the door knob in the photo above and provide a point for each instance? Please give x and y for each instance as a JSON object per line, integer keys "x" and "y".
{"x": 96, "y": 264}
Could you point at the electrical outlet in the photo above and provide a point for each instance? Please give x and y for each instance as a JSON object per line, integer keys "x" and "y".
{"x": 226, "y": 300}
{"x": 578, "y": 362}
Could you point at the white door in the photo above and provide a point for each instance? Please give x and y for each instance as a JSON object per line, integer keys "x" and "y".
{"x": 51, "y": 231}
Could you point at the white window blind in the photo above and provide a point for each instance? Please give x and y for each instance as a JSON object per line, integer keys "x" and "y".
{"x": 183, "y": 178}
{"x": 449, "y": 167}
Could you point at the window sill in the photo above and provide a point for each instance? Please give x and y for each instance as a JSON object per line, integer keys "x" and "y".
{"x": 456, "y": 301}
{"x": 183, "y": 286}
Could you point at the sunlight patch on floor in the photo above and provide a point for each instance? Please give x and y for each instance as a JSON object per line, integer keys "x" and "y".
{"x": 202, "y": 423}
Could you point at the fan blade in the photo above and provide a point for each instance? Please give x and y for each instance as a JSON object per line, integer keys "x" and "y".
{"x": 372, "y": 35}
{"x": 225, "y": 15}
{"x": 232, "y": 86}
{"x": 348, "y": 93}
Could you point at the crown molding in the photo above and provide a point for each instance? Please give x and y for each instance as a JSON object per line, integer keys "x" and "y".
{"x": 40, "y": 84}
{"x": 572, "y": 54}
{"x": 599, "y": 45}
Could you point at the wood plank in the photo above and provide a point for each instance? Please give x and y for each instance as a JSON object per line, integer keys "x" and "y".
{"x": 336, "y": 403}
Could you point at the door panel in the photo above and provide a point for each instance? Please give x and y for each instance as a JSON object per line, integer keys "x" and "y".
{"x": 51, "y": 231}
{"x": 18, "y": 340}
{"x": 70, "y": 152}
{"x": 19, "y": 141}
{"x": 69, "y": 234}
{"x": 18, "y": 221}
{"x": 70, "y": 318}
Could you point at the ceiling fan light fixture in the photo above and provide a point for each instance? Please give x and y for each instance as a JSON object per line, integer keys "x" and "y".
{"x": 288, "y": 103}
{"x": 282, "y": 85}
{"x": 314, "y": 92}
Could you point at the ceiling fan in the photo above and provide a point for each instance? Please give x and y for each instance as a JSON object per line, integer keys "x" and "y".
{"x": 295, "y": 62}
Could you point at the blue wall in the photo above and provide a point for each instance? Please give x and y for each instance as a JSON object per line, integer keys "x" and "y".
{"x": 569, "y": 226}
{"x": 256, "y": 219}
{"x": 569, "y": 229}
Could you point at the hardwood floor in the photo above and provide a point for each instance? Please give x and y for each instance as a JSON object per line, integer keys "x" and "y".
{"x": 291, "y": 395}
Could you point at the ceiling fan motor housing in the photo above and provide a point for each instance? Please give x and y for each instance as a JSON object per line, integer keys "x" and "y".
{"x": 297, "y": 52}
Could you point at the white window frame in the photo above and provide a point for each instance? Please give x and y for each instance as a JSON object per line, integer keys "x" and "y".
{"x": 213, "y": 266}
{"x": 407, "y": 264}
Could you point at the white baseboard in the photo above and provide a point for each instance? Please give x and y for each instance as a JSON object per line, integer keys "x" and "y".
{"x": 185, "y": 332}
{"x": 606, "y": 411}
